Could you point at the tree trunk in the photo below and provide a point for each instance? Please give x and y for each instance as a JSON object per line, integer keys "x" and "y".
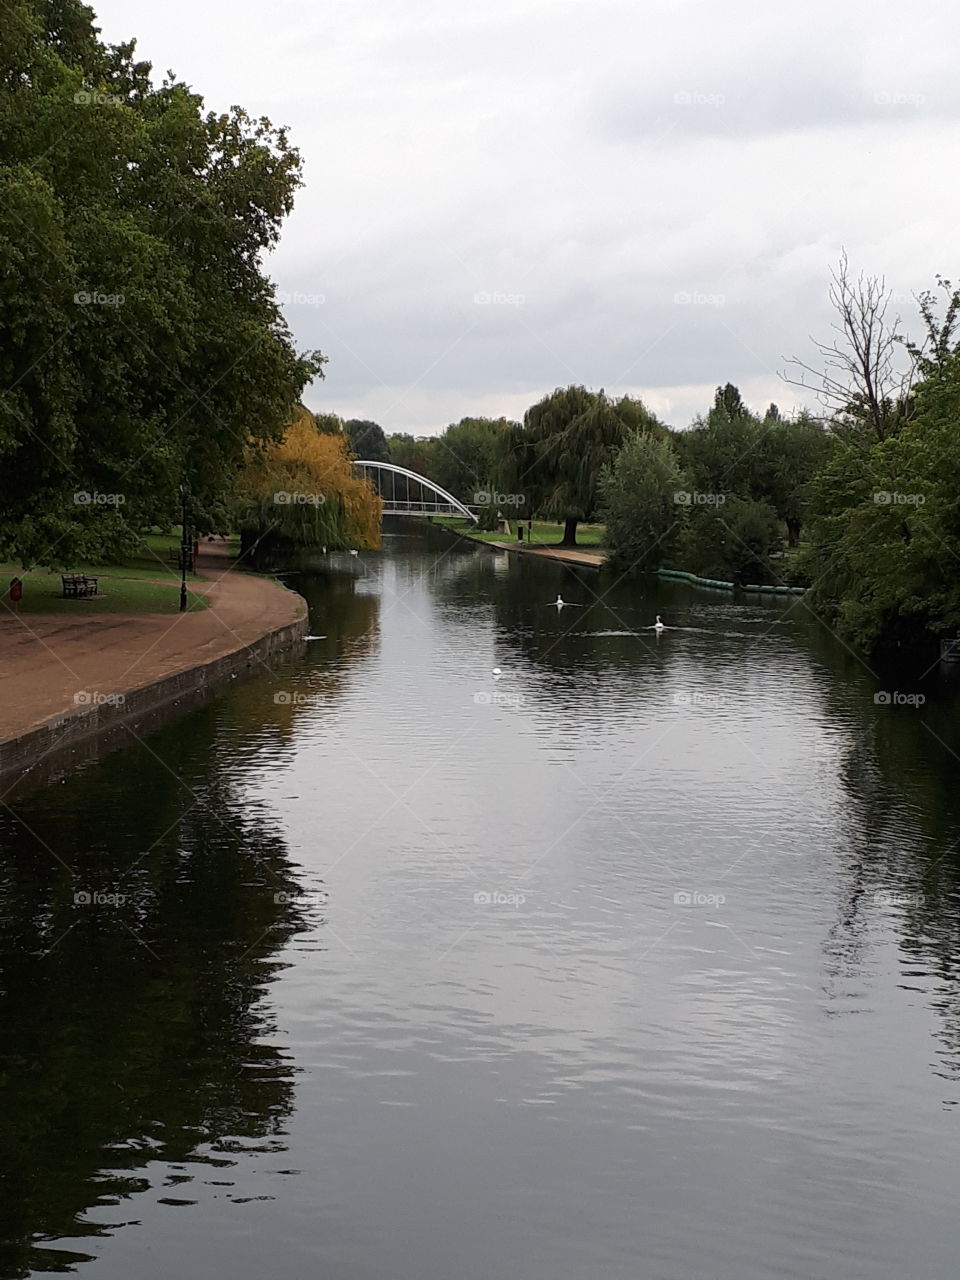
{"x": 570, "y": 531}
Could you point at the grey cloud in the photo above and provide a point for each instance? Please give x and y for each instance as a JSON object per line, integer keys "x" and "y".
{"x": 535, "y": 149}
{"x": 714, "y": 106}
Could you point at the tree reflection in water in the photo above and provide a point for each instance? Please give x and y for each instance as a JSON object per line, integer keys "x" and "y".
{"x": 143, "y": 907}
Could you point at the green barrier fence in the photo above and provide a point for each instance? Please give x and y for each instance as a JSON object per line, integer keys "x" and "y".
{"x": 677, "y": 575}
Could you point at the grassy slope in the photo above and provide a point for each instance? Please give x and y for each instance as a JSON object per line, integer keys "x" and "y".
{"x": 545, "y": 533}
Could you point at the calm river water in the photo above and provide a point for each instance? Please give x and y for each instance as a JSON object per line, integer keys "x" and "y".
{"x": 640, "y": 961}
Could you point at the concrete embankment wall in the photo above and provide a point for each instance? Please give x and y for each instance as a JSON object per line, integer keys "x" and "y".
{"x": 64, "y": 743}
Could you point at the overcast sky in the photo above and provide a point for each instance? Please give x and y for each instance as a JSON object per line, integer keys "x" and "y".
{"x": 504, "y": 196}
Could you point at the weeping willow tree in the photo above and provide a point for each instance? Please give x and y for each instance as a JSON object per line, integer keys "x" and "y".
{"x": 566, "y": 440}
{"x": 305, "y": 491}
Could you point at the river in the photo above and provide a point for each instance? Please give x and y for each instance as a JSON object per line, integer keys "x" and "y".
{"x": 637, "y": 961}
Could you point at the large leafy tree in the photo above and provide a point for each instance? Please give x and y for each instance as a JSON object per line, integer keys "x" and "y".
{"x": 305, "y": 490}
{"x": 790, "y": 453}
{"x": 640, "y": 504}
{"x": 733, "y": 454}
{"x": 417, "y": 454}
{"x": 721, "y": 453}
{"x": 566, "y": 440}
{"x": 329, "y": 424}
{"x": 732, "y": 540}
{"x": 143, "y": 347}
{"x": 751, "y": 532}
{"x": 469, "y": 456}
{"x": 367, "y": 440}
{"x": 885, "y": 547}
{"x": 728, "y": 402}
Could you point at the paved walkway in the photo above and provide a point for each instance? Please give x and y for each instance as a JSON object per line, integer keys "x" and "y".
{"x": 568, "y": 555}
{"x": 47, "y": 659}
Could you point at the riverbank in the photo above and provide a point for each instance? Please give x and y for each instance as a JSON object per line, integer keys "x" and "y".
{"x": 72, "y": 686}
{"x": 543, "y": 533}
{"x": 596, "y": 560}
{"x": 566, "y": 555}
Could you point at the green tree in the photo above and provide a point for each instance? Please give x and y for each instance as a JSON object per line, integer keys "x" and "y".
{"x": 329, "y": 424}
{"x": 885, "y": 546}
{"x": 469, "y": 456}
{"x": 731, "y": 539}
{"x": 752, "y": 530}
{"x": 721, "y": 452}
{"x": 416, "y": 454}
{"x": 858, "y": 562}
{"x": 790, "y": 452}
{"x": 733, "y": 454}
{"x": 729, "y": 402}
{"x": 566, "y": 440}
{"x": 367, "y": 440}
{"x": 641, "y": 493}
{"x": 142, "y": 344}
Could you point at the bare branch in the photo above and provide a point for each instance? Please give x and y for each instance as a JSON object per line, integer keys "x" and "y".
{"x": 868, "y": 370}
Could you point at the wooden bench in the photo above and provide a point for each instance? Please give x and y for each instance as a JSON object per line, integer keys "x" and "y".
{"x": 77, "y": 586}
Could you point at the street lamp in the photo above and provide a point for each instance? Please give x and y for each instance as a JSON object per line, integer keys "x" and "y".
{"x": 184, "y": 548}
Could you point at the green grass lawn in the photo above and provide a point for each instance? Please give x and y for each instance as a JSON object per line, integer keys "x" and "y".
{"x": 42, "y": 594}
{"x": 124, "y": 587}
{"x": 545, "y": 532}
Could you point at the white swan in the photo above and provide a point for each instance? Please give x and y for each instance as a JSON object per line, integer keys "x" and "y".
{"x": 658, "y": 625}
{"x": 560, "y": 602}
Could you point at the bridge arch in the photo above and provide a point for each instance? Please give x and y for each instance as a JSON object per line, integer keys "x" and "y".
{"x": 394, "y": 505}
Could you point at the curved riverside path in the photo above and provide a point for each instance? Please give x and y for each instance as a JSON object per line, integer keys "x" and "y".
{"x": 60, "y": 675}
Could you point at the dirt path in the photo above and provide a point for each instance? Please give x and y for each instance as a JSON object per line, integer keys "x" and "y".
{"x": 49, "y": 661}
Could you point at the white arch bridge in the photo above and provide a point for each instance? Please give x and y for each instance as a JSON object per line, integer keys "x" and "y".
{"x": 405, "y": 493}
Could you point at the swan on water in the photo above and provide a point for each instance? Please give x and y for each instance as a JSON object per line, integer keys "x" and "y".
{"x": 658, "y": 625}
{"x": 560, "y": 602}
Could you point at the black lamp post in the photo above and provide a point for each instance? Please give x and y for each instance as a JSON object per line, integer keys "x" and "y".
{"x": 184, "y": 548}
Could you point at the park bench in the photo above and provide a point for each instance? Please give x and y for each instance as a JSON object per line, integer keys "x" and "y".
{"x": 77, "y": 586}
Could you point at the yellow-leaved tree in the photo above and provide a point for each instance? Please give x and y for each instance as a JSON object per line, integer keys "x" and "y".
{"x": 306, "y": 491}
